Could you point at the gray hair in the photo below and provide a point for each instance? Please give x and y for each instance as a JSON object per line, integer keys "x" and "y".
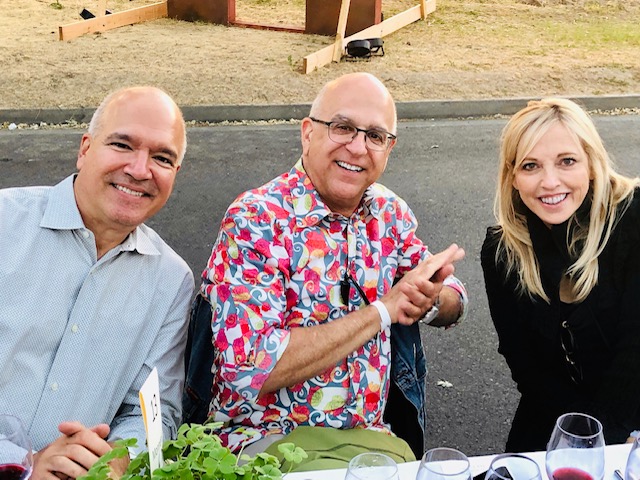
{"x": 95, "y": 125}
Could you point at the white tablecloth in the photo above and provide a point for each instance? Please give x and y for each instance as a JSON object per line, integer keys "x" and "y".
{"x": 615, "y": 458}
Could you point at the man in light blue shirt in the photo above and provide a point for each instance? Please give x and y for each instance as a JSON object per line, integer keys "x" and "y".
{"x": 91, "y": 299}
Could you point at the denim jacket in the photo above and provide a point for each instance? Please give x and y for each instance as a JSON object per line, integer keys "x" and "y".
{"x": 408, "y": 375}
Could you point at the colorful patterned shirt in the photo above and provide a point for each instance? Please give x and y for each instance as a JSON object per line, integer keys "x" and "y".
{"x": 277, "y": 265}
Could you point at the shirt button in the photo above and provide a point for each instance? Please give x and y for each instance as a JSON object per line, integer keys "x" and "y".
{"x": 54, "y": 386}
{"x": 74, "y": 328}
{"x": 85, "y": 234}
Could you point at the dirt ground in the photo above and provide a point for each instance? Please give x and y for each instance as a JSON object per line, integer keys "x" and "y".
{"x": 465, "y": 49}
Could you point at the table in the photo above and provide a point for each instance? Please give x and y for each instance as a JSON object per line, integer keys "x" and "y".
{"x": 615, "y": 458}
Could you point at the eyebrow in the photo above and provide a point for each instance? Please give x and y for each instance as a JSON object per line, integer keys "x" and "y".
{"x": 341, "y": 118}
{"x": 129, "y": 139}
{"x": 559, "y": 155}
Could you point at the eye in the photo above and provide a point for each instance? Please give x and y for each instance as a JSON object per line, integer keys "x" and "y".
{"x": 120, "y": 145}
{"x": 379, "y": 138}
{"x": 567, "y": 161}
{"x": 528, "y": 166}
{"x": 163, "y": 161}
{"x": 342, "y": 128}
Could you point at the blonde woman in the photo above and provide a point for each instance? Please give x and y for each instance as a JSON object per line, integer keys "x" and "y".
{"x": 562, "y": 273}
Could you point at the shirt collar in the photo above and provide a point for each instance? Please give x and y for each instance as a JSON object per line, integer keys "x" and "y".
{"x": 308, "y": 206}
{"x": 61, "y": 213}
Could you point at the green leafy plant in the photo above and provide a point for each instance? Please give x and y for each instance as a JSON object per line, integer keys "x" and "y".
{"x": 197, "y": 454}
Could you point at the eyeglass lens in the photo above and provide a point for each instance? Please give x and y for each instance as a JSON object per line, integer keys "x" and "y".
{"x": 345, "y": 133}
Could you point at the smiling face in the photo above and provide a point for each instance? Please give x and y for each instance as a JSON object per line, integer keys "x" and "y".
{"x": 341, "y": 173}
{"x": 553, "y": 178}
{"x": 127, "y": 167}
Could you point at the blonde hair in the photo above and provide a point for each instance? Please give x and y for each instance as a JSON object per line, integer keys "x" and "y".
{"x": 609, "y": 193}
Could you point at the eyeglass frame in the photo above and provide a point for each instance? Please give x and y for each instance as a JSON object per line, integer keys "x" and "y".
{"x": 345, "y": 289}
{"x": 390, "y": 136}
{"x": 574, "y": 368}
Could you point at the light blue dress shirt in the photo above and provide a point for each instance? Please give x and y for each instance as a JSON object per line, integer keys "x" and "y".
{"x": 78, "y": 335}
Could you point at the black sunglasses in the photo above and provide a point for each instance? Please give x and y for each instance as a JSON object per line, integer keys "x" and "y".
{"x": 568, "y": 343}
{"x": 345, "y": 289}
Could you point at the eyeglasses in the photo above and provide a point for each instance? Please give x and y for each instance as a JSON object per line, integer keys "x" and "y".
{"x": 345, "y": 289}
{"x": 569, "y": 348}
{"x": 343, "y": 133}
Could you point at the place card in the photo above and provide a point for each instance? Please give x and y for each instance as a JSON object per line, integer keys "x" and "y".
{"x": 150, "y": 404}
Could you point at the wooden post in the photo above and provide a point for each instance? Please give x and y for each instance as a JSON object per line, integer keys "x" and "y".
{"x": 102, "y": 8}
{"x": 321, "y": 16}
{"x": 323, "y": 57}
{"x": 426, "y": 7}
{"x": 342, "y": 27}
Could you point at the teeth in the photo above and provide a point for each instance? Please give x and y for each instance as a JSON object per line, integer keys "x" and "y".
{"x": 554, "y": 200}
{"x": 130, "y": 192}
{"x": 353, "y": 168}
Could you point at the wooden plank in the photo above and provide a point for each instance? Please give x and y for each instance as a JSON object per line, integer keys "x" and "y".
{"x": 264, "y": 26}
{"x": 102, "y": 8}
{"x": 115, "y": 20}
{"x": 338, "y": 47}
{"x": 325, "y": 56}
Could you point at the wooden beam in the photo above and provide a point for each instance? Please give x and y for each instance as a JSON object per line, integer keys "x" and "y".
{"x": 115, "y": 20}
{"x": 325, "y": 56}
{"x": 264, "y": 26}
{"x": 102, "y": 8}
{"x": 338, "y": 47}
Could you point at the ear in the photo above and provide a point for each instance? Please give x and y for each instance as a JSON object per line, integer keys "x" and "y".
{"x": 306, "y": 129}
{"x": 391, "y": 145}
{"x": 85, "y": 144}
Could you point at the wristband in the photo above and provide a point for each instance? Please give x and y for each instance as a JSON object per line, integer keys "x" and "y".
{"x": 385, "y": 318}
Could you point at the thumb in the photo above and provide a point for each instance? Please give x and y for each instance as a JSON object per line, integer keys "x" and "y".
{"x": 70, "y": 428}
{"x": 102, "y": 430}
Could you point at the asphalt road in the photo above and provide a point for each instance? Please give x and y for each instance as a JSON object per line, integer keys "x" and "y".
{"x": 445, "y": 169}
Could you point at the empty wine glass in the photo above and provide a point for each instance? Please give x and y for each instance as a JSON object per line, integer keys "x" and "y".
{"x": 16, "y": 458}
{"x": 632, "y": 471}
{"x": 372, "y": 466}
{"x": 513, "y": 466}
{"x": 444, "y": 464}
{"x": 576, "y": 448}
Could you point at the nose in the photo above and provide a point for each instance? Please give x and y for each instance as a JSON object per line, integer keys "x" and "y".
{"x": 358, "y": 144}
{"x": 550, "y": 178}
{"x": 138, "y": 166}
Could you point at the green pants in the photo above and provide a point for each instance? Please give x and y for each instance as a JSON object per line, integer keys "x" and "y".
{"x": 333, "y": 448}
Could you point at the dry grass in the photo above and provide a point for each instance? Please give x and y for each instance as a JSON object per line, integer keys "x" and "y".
{"x": 465, "y": 49}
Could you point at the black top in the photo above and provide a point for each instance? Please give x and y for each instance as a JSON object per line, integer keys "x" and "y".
{"x": 604, "y": 329}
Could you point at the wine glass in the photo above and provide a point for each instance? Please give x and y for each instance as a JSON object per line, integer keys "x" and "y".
{"x": 16, "y": 457}
{"x": 632, "y": 471}
{"x": 513, "y": 466}
{"x": 444, "y": 464}
{"x": 576, "y": 448}
{"x": 372, "y": 466}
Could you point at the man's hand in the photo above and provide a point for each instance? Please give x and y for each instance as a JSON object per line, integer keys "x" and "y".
{"x": 71, "y": 454}
{"x": 416, "y": 292}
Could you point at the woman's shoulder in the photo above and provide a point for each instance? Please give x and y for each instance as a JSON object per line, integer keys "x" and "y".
{"x": 492, "y": 238}
{"x": 488, "y": 253}
{"x": 630, "y": 219}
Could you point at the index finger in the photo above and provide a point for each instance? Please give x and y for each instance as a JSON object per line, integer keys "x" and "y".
{"x": 435, "y": 262}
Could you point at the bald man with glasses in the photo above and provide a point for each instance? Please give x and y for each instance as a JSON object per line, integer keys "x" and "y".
{"x": 314, "y": 280}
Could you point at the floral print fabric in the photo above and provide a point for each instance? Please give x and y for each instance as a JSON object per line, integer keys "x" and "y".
{"x": 277, "y": 265}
